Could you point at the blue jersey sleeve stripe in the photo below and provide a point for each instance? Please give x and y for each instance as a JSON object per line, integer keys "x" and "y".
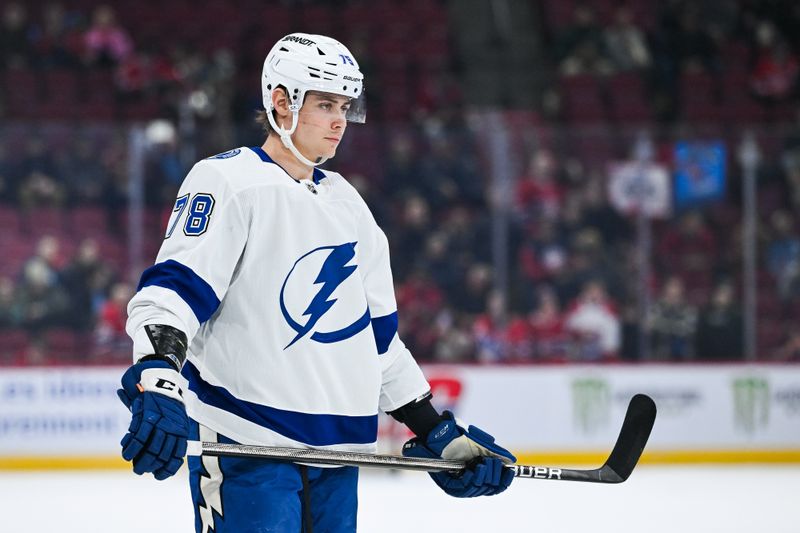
{"x": 311, "y": 429}
{"x": 181, "y": 279}
{"x": 384, "y": 328}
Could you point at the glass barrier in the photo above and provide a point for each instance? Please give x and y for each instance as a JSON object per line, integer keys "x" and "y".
{"x": 512, "y": 241}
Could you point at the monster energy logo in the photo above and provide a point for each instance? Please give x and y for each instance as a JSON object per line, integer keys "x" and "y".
{"x": 751, "y": 403}
{"x": 591, "y": 404}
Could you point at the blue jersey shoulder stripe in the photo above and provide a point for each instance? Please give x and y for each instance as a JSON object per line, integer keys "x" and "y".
{"x": 384, "y": 328}
{"x": 311, "y": 429}
{"x": 192, "y": 289}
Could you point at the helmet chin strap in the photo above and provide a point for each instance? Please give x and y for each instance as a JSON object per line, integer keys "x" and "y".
{"x": 286, "y": 135}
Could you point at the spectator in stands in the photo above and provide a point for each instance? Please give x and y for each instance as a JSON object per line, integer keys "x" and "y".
{"x": 411, "y": 228}
{"x": 47, "y": 257}
{"x": 454, "y": 343}
{"x": 144, "y": 74}
{"x": 594, "y": 324}
{"x": 579, "y": 46}
{"x": 673, "y": 323}
{"x": 164, "y": 171}
{"x": 793, "y": 186}
{"x": 106, "y": 43}
{"x": 84, "y": 173}
{"x": 546, "y": 328}
{"x": 57, "y": 40}
{"x": 86, "y": 279}
{"x": 599, "y": 214}
{"x": 9, "y": 310}
{"x": 449, "y": 174}
{"x": 15, "y": 45}
{"x": 9, "y": 177}
{"x": 589, "y": 261}
{"x": 790, "y": 350}
{"x": 689, "y": 248}
{"x": 473, "y": 296}
{"x": 419, "y": 302}
{"x": 587, "y": 58}
{"x": 403, "y": 172}
{"x": 626, "y": 43}
{"x": 719, "y": 329}
{"x": 695, "y": 46}
{"x": 783, "y": 254}
{"x": 111, "y": 340}
{"x": 538, "y": 194}
{"x": 775, "y": 70}
{"x": 519, "y": 345}
{"x": 40, "y": 183}
{"x": 418, "y": 296}
{"x": 489, "y": 330}
{"x": 41, "y": 299}
{"x": 543, "y": 254}
{"x": 435, "y": 259}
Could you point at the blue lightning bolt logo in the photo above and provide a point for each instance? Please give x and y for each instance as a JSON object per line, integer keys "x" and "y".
{"x": 334, "y": 271}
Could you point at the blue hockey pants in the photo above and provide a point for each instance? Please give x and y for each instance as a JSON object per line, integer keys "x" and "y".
{"x": 241, "y": 495}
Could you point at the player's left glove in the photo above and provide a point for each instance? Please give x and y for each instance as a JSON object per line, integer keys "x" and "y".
{"x": 156, "y": 438}
{"x": 485, "y": 475}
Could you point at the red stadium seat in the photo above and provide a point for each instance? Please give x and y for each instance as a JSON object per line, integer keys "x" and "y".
{"x": 88, "y": 221}
{"x": 558, "y": 14}
{"x": 318, "y": 19}
{"x": 583, "y": 99}
{"x": 9, "y": 223}
{"x": 698, "y": 97}
{"x": 23, "y": 92}
{"x": 15, "y": 252}
{"x": 64, "y": 344}
{"x": 12, "y": 342}
{"x": 62, "y": 93}
{"x": 628, "y": 100}
{"x": 45, "y": 221}
{"x": 738, "y": 104}
{"x": 771, "y": 335}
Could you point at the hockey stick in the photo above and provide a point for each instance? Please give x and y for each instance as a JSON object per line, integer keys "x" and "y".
{"x": 636, "y": 427}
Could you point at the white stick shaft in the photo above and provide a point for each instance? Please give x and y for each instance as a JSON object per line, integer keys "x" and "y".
{"x": 326, "y": 457}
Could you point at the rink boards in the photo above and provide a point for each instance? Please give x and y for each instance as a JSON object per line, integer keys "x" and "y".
{"x": 71, "y": 417}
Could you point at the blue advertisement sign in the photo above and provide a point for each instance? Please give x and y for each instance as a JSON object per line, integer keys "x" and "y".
{"x": 700, "y": 172}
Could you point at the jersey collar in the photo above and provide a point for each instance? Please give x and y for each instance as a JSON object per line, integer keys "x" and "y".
{"x": 317, "y": 174}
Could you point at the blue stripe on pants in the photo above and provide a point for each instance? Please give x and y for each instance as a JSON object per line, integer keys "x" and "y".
{"x": 237, "y": 495}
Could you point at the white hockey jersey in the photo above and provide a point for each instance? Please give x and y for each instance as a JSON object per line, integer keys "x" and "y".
{"x": 284, "y": 290}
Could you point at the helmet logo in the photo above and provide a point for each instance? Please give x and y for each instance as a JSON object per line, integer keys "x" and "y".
{"x": 299, "y": 40}
{"x": 347, "y": 60}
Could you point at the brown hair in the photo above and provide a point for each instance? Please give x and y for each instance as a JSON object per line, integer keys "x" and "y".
{"x": 262, "y": 120}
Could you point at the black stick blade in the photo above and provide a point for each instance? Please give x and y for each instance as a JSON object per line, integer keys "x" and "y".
{"x": 636, "y": 427}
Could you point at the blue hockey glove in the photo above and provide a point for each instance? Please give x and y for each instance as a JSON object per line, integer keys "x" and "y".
{"x": 485, "y": 476}
{"x": 156, "y": 438}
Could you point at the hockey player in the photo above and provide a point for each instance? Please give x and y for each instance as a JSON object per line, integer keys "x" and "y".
{"x": 269, "y": 317}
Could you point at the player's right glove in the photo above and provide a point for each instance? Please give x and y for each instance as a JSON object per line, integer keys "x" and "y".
{"x": 485, "y": 476}
{"x": 156, "y": 438}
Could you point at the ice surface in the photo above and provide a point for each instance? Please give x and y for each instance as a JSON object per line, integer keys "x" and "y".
{"x": 752, "y": 499}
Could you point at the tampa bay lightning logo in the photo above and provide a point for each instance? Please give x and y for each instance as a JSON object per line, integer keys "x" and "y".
{"x": 329, "y": 268}
{"x": 227, "y": 155}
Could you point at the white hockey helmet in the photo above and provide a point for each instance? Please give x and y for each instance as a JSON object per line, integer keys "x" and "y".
{"x": 302, "y": 62}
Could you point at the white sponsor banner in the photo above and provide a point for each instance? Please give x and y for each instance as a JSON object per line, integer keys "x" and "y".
{"x": 61, "y": 411}
{"x": 580, "y": 407}
{"x": 75, "y": 411}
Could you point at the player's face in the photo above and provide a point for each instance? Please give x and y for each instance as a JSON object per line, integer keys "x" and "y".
{"x": 322, "y": 122}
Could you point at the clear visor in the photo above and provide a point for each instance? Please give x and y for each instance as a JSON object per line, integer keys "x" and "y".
{"x": 338, "y": 106}
{"x": 358, "y": 110}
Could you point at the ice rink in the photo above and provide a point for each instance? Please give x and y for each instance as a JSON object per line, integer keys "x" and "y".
{"x": 753, "y": 499}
